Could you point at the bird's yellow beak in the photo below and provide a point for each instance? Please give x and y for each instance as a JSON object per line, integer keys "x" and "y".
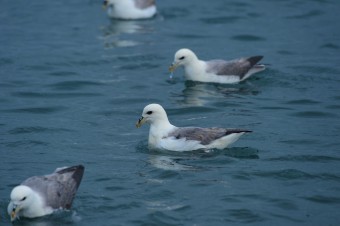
{"x": 140, "y": 122}
{"x": 14, "y": 213}
{"x": 105, "y": 4}
{"x": 173, "y": 67}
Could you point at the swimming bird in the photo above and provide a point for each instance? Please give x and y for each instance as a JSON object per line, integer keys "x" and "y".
{"x": 165, "y": 136}
{"x": 130, "y": 9}
{"x": 41, "y": 195}
{"x": 216, "y": 71}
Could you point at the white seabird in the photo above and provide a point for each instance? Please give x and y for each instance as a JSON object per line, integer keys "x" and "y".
{"x": 216, "y": 71}
{"x": 165, "y": 136}
{"x": 41, "y": 195}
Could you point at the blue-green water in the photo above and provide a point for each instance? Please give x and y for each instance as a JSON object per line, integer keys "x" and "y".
{"x": 73, "y": 83}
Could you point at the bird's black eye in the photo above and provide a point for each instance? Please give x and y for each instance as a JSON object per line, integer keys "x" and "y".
{"x": 182, "y": 58}
{"x": 149, "y": 112}
{"x": 23, "y": 199}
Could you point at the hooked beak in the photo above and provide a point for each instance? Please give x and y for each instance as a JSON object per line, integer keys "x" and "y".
{"x": 14, "y": 212}
{"x": 105, "y": 4}
{"x": 173, "y": 66}
{"x": 140, "y": 122}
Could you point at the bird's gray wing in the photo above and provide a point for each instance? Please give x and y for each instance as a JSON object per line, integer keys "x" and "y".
{"x": 203, "y": 135}
{"x": 59, "y": 188}
{"x": 142, "y": 4}
{"x": 238, "y": 67}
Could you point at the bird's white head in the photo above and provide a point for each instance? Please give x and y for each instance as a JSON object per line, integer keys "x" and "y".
{"x": 152, "y": 113}
{"x": 21, "y": 199}
{"x": 183, "y": 57}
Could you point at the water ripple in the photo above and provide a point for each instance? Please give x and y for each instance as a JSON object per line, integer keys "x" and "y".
{"x": 248, "y": 38}
{"x": 174, "y": 12}
{"x": 300, "y": 141}
{"x": 333, "y": 107}
{"x": 306, "y": 158}
{"x": 330, "y": 46}
{"x": 36, "y": 129}
{"x": 200, "y": 110}
{"x": 45, "y": 67}
{"x": 190, "y": 36}
{"x": 319, "y": 70}
{"x": 63, "y": 73}
{"x": 221, "y": 20}
{"x": 242, "y": 153}
{"x": 287, "y": 174}
{"x": 36, "y": 110}
{"x": 139, "y": 57}
{"x": 323, "y": 199}
{"x": 53, "y": 95}
{"x": 133, "y": 67}
{"x": 302, "y": 102}
{"x": 25, "y": 143}
{"x": 158, "y": 218}
{"x": 308, "y": 15}
{"x": 72, "y": 85}
{"x": 162, "y": 206}
{"x": 6, "y": 61}
{"x": 284, "y": 204}
{"x": 245, "y": 215}
{"x": 294, "y": 174}
{"x": 314, "y": 114}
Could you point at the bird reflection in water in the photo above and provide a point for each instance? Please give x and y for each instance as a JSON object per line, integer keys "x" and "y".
{"x": 197, "y": 94}
{"x": 123, "y": 33}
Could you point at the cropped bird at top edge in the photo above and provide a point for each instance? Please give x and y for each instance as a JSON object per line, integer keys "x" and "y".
{"x": 215, "y": 71}
{"x": 165, "y": 136}
{"x": 130, "y": 9}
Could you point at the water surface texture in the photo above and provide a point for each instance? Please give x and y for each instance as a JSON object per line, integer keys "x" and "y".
{"x": 73, "y": 83}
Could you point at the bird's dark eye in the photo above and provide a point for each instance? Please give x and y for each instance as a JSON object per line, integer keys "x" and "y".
{"x": 23, "y": 199}
{"x": 149, "y": 112}
{"x": 182, "y": 58}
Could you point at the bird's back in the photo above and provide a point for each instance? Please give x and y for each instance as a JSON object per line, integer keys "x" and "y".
{"x": 59, "y": 188}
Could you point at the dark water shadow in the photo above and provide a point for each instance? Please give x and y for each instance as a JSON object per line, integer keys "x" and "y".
{"x": 242, "y": 153}
{"x": 221, "y": 20}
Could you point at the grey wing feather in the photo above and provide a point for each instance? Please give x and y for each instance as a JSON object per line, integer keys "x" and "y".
{"x": 142, "y": 4}
{"x": 59, "y": 188}
{"x": 238, "y": 67}
{"x": 204, "y": 135}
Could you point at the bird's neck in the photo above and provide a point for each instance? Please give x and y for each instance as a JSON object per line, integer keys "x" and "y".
{"x": 194, "y": 69}
{"x": 37, "y": 208}
{"x": 158, "y": 130}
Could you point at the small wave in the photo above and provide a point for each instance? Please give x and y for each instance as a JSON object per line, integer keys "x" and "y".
{"x": 306, "y": 158}
{"x": 221, "y": 20}
{"x": 36, "y": 110}
{"x": 314, "y": 114}
{"x": 248, "y": 38}
{"x": 36, "y": 129}
{"x": 310, "y": 14}
{"x": 73, "y": 85}
{"x": 323, "y": 199}
{"x": 44, "y": 95}
{"x": 302, "y": 102}
{"x": 245, "y": 216}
